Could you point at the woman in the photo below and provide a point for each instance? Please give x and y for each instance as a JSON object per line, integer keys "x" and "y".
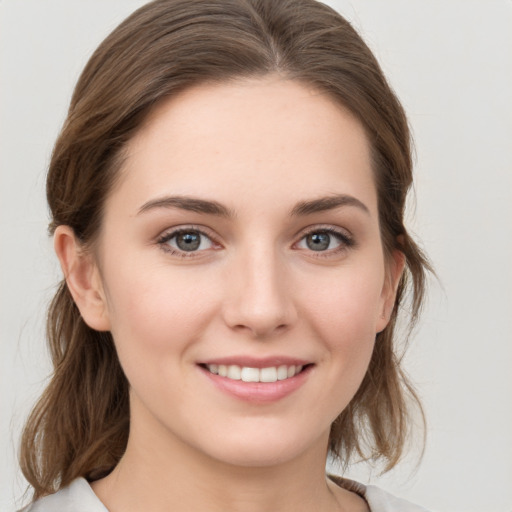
{"x": 227, "y": 199}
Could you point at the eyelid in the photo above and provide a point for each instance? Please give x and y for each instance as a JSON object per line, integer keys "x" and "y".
{"x": 170, "y": 233}
{"x": 346, "y": 238}
{"x": 326, "y": 228}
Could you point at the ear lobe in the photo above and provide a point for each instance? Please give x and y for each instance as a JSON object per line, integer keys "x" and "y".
{"x": 395, "y": 268}
{"x": 82, "y": 278}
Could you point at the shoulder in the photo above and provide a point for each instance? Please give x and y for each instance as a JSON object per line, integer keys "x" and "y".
{"x": 79, "y": 497}
{"x": 377, "y": 499}
{"x": 76, "y": 497}
{"x": 382, "y": 501}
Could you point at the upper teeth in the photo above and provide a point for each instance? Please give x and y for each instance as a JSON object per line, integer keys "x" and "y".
{"x": 247, "y": 374}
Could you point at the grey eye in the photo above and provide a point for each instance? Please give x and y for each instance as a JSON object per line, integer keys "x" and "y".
{"x": 189, "y": 241}
{"x": 318, "y": 241}
{"x": 324, "y": 240}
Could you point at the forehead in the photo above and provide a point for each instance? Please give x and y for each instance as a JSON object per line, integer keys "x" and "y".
{"x": 269, "y": 138}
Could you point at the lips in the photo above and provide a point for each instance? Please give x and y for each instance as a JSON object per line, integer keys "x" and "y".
{"x": 257, "y": 380}
{"x": 250, "y": 374}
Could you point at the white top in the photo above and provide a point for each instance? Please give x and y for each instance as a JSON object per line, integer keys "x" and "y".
{"x": 79, "y": 497}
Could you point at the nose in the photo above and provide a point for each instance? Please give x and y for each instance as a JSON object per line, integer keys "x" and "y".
{"x": 259, "y": 298}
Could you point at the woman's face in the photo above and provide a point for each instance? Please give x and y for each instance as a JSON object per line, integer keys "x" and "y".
{"x": 242, "y": 270}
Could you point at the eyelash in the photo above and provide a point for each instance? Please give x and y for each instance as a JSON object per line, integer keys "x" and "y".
{"x": 346, "y": 241}
{"x": 164, "y": 239}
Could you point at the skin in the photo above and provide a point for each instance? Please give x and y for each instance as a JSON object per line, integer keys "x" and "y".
{"x": 254, "y": 288}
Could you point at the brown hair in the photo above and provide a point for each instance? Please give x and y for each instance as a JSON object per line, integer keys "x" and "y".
{"x": 80, "y": 425}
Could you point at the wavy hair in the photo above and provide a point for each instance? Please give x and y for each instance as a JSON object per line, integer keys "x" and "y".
{"x": 80, "y": 425}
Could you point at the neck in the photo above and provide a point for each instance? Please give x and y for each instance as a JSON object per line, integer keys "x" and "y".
{"x": 180, "y": 479}
{"x": 160, "y": 472}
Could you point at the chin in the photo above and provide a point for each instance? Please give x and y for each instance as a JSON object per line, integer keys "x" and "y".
{"x": 264, "y": 449}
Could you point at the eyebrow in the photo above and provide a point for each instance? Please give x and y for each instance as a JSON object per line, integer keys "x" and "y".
{"x": 209, "y": 207}
{"x": 190, "y": 204}
{"x": 327, "y": 203}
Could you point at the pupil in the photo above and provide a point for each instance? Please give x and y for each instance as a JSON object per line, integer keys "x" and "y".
{"x": 188, "y": 241}
{"x": 318, "y": 241}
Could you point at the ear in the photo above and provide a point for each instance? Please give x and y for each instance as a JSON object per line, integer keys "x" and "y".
{"x": 395, "y": 267}
{"x": 82, "y": 278}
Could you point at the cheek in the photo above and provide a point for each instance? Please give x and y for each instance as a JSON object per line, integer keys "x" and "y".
{"x": 158, "y": 310}
{"x": 348, "y": 301}
{"x": 344, "y": 310}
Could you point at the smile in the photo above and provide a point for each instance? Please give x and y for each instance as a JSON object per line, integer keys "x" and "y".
{"x": 248, "y": 374}
{"x": 257, "y": 380}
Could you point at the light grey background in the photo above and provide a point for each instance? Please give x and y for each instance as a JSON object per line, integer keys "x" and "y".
{"x": 450, "y": 62}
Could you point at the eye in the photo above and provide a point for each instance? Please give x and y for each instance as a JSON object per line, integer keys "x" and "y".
{"x": 322, "y": 240}
{"x": 185, "y": 241}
